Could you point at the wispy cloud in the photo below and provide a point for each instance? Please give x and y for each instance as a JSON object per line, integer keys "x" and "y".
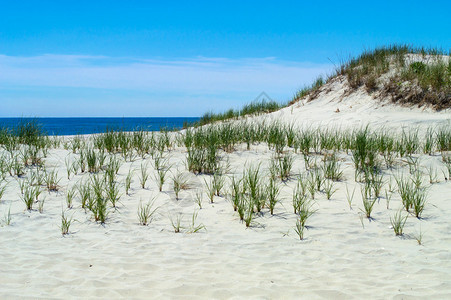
{"x": 219, "y": 78}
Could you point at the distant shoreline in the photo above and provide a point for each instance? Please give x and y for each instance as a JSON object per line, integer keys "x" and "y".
{"x": 91, "y": 125}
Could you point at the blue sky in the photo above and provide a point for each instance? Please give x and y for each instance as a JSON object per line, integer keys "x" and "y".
{"x": 180, "y": 58}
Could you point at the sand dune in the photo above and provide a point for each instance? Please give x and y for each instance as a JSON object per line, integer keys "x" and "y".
{"x": 342, "y": 256}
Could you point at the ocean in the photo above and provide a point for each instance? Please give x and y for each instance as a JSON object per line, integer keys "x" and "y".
{"x": 73, "y": 126}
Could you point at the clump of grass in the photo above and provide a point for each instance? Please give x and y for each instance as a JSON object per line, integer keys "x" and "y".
{"x": 70, "y": 197}
{"x": 252, "y": 182}
{"x": 350, "y": 197}
{"x": 84, "y": 190}
{"x": 193, "y": 227}
{"x": 7, "y": 217}
{"x": 388, "y": 196}
{"x": 272, "y": 191}
{"x": 65, "y": 223}
{"x": 144, "y": 175}
{"x": 22, "y": 185}
{"x": 241, "y": 207}
{"x": 210, "y": 189}
{"x": 329, "y": 188}
{"x": 97, "y": 202}
{"x": 299, "y": 196}
{"x": 161, "y": 169}
{"x": 41, "y": 206}
{"x": 218, "y": 182}
{"x": 128, "y": 181}
{"x": 284, "y": 166}
{"x": 198, "y": 198}
{"x": 305, "y": 213}
{"x": 146, "y": 212}
{"x": 248, "y": 211}
{"x": 419, "y": 237}
{"x": 311, "y": 184}
{"x": 331, "y": 168}
{"x": 236, "y": 192}
{"x": 179, "y": 182}
{"x": 398, "y": 222}
{"x": 51, "y": 180}
{"x": 368, "y": 201}
{"x": 433, "y": 176}
{"x": 112, "y": 192}
{"x": 176, "y": 222}
{"x": 29, "y": 196}
{"x": 412, "y": 195}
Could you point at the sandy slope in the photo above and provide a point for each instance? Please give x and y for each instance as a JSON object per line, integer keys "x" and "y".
{"x": 338, "y": 259}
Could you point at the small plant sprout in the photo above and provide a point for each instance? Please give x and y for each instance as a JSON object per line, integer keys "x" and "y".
{"x": 196, "y": 228}
{"x": 241, "y": 208}
{"x": 272, "y": 192}
{"x": 235, "y": 193}
{"x": 388, "y": 196}
{"x": 84, "y": 190}
{"x": 299, "y": 197}
{"x": 419, "y": 201}
{"x": 65, "y": 223}
{"x": 218, "y": 182}
{"x": 299, "y": 228}
{"x": 398, "y": 222}
{"x": 146, "y": 212}
{"x": 210, "y": 189}
{"x": 305, "y": 212}
{"x": 249, "y": 212}
{"x": 70, "y": 197}
{"x": 361, "y": 220}
{"x": 329, "y": 188}
{"x": 51, "y": 180}
{"x": 198, "y": 198}
{"x": 112, "y": 193}
{"x": 176, "y": 222}
{"x": 350, "y": 197}
{"x": 179, "y": 182}
{"x": 161, "y": 176}
{"x": 368, "y": 202}
{"x": 29, "y": 196}
{"x": 143, "y": 176}
{"x": 68, "y": 167}
{"x": 41, "y": 205}
{"x": 128, "y": 181}
{"x": 22, "y": 185}
{"x": 285, "y": 165}
{"x": 419, "y": 237}
{"x": 433, "y": 176}
{"x": 7, "y": 217}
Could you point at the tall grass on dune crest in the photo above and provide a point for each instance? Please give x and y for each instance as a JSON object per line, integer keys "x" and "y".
{"x": 405, "y": 74}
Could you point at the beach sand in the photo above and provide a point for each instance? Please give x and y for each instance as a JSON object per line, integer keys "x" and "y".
{"x": 343, "y": 255}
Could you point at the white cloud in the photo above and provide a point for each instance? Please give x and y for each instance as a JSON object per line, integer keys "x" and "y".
{"x": 218, "y": 79}
{"x": 191, "y": 75}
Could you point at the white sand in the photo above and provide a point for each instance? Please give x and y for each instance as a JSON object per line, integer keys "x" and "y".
{"x": 338, "y": 258}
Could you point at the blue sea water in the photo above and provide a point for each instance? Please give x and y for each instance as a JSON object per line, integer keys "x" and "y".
{"x": 73, "y": 126}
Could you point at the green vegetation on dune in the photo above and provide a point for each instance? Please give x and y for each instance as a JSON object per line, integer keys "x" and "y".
{"x": 405, "y": 74}
{"x": 253, "y": 108}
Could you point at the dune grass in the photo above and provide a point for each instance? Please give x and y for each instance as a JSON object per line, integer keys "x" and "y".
{"x": 146, "y": 212}
{"x": 398, "y": 221}
{"x": 65, "y": 223}
{"x": 253, "y": 108}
